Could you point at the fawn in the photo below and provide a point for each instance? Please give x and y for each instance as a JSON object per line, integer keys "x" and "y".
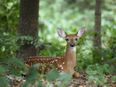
{"x": 65, "y": 63}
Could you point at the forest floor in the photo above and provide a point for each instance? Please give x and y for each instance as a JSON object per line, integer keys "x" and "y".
{"x": 82, "y": 81}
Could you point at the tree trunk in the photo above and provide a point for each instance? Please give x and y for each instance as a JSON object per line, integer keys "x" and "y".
{"x": 28, "y": 26}
{"x": 97, "y": 33}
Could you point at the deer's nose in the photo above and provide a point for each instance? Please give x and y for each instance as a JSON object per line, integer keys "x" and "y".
{"x": 72, "y": 45}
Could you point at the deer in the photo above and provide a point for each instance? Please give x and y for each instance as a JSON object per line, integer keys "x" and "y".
{"x": 65, "y": 63}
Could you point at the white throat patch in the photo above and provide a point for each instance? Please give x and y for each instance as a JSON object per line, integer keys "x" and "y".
{"x": 73, "y": 49}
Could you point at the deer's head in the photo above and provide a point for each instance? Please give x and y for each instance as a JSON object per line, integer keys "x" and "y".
{"x": 71, "y": 39}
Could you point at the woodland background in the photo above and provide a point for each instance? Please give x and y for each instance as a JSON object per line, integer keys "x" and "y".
{"x": 19, "y": 38}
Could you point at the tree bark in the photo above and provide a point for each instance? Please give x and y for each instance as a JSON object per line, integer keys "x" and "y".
{"x": 97, "y": 32}
{"x": 28, "y": 26}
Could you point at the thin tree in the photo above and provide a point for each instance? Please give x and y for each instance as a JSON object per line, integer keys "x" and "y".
{"x": 97, "y": 32}
{"x": 28, "y": 27}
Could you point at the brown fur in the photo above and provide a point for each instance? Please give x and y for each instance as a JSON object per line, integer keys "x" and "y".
{"x": 65, "y": 63}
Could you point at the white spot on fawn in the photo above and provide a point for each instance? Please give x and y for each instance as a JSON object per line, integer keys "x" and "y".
{"x": 56, "y": 60}
{"x": 62, "y": 68}
{"x": 63, "y": 63}
{"x": 52, "y": 61}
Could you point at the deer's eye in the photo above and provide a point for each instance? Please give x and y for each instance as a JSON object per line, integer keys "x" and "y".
{"x": 67, "y": 39}
{"x": 76, "y": 39}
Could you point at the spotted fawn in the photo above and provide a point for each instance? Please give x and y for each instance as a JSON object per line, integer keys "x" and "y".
{"x": 64, "y": 63}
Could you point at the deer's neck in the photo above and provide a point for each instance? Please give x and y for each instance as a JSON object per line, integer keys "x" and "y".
{"x": 70, "y": 54}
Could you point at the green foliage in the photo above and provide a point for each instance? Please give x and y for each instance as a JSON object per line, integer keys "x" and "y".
{"x": 69, "y": 15}
{"x": 114, "y": 78}
{"x": 65, "y": 78}
{"x": 61, "y": 79}
{"x": 101, "y": 69}
{"x": 16, "y": 66}
{"x": 52, "y": 75}
{"x": 96, "y": 74}
{"x": 4, "y": 82}
{"x": 2, "y": 70}
{"x": 7, "y": 45}
{"x": 9, "y": 14}
{"x": 32, "y": 77}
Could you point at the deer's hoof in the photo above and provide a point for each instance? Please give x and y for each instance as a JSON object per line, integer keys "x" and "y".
{"x": 76, "y": 75}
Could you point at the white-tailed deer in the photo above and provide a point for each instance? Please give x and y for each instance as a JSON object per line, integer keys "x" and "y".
{"x": 65, "y": 63}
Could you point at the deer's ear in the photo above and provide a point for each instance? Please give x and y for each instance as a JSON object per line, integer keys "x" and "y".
{"x": 81, "y": 32}
{"x": 61, "y": 33}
